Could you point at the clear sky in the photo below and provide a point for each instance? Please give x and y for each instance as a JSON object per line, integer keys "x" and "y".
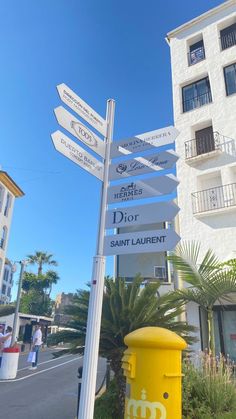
{"x": 100, "y": 49}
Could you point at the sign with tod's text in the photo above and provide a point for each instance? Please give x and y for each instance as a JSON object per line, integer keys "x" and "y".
{"x": 77, "y": 154}
{"x": 142, "y": 214}
{"x": 78, "y": 105}
{"x": 141, "y": 242}
{"x": 143, "y": 142}
{"x": 148, "y": 188}
{"x": 79, "y": 130}
{"x": 141, "y": 165}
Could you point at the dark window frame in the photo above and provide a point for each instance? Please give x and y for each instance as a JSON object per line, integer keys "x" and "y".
{"x": 208, "y": 92}
{"x": 226, "y": 85}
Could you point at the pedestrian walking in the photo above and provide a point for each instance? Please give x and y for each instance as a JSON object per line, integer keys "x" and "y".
{"x": 5, "y": 340}
{"x": 37, "y": 342}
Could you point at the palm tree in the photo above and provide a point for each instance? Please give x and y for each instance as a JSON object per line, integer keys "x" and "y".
{"x": 209, "y": 281}
{"x": 40, "y": 259}
{"x": 126, "y": 307}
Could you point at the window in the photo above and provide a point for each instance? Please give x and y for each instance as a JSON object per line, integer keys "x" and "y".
{"x": 196, "y": 53}
{"x": 1, "y": 196}
{"x": 230, "y": 79}
{"x": 196, "y": 94}
{"x": 0, "y": 266}
{"x": 204, "y": 141}
{"x": 5, "y": 275}
{"x": 3, "y": 237}
{"x": 9, "y": 292}
{"x": 4, "y": 288}
{"x": 228, "y": 36}
{"x": 8, "y": 204}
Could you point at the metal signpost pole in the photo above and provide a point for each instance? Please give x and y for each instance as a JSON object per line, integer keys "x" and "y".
{"x": 22, "y": 267}
{"x": 88, "y": 389}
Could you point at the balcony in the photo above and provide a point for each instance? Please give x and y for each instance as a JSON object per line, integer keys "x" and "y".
{"x": 228, "y": 40}
{"x": 195, "y": 56}
{"x": 208, "y": 145}
{"x": 217, "y": 198}
{"x": 197, "y": 101}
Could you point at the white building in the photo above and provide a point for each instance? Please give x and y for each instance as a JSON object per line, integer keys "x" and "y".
{"x": 203, "y": 59}
{"x": 8, "y": 192}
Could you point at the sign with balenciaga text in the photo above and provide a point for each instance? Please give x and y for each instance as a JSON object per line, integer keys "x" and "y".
{"x": 141, "y": 165}
{"x": 77, "y": 154}
{"x": 79, "y": 130}
{"x": 141, "y": 242}
{"x": 141, "y": 214}
{"x": 143, "y": 142}
{"x": 78, "y": 105}
{"x": 148, "y": 188}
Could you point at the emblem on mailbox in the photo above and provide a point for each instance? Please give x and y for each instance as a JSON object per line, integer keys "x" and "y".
{"x": 143, "y": 408}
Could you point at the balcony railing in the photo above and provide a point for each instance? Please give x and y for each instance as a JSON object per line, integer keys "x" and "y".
{"x": 195, "y": 56}
{"x": 197, "y": 101}
{"x": 214, "y": 198}
{"x": 228, "y": 40}
{"x": 209, "y": 142}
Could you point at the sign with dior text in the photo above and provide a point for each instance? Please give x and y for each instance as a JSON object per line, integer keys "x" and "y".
{"x": 141, "y": 242}
{"x": 143, "y": 142}
{"x": 142, "y": 214}
{"x": 79, "y": 130}
{"x": 141, "y": 165}
{"x": 77, "y": 154}
{"x": 82, "y": 108}
{"x": 148, "y": 188}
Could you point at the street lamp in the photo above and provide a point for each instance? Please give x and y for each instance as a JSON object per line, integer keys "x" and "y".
{"x": 23, "y": 263}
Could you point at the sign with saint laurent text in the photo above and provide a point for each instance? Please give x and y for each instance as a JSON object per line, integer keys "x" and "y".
{"x": 143, "y": 142}
{"x": 77, "y": 154}
{"x": 148, "y": 188}
{"x": 141, "y": 165}
{"x": 79, "y": 130}
{"x": 142, "y": 214}
{"x": 141, "y": 242}
{"x": 82, "y": 108}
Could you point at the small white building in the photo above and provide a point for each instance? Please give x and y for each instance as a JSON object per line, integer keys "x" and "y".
{"x": 8, "y": 192}
{"x": 203, "y": 61}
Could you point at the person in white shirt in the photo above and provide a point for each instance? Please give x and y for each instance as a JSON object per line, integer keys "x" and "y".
{"x": 37, "y": 342}
{"x": 5, "y": 340}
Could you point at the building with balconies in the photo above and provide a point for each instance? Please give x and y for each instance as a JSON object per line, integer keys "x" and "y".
{"x": 203, "y": 61}
{"x": 8, "y": 192}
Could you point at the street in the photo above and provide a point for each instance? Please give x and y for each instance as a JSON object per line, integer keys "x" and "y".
{"x": 47, "y": 393}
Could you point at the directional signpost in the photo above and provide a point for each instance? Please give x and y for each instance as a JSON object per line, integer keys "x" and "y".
{"x": 143, "y": 142}
{"x": 140, "y": 165}
{"x": 77, "y": 154}
{"x": 79, "y": 130}
{"x": 133, "y": 216}
{"x": 141, "y": 242}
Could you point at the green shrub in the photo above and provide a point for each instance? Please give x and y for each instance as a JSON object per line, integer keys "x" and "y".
{"x": 106, "y": 406}
{"x": 208, "y": 389}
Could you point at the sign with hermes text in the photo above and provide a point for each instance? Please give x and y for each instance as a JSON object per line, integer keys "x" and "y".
{"x": 142, "y": 214}
{"x": 78, "y": 105}
{"x": 141, "y": 165}
{"x": 77, "y": 154}
{"x": 148, "y": 188}
{"x": 143, "y": 142}
{"x": 79, "y": 130}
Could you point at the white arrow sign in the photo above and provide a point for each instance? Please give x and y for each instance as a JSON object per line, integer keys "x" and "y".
{"x": 141, "y": 242}
{"x": 143, "y": 142}
{"x": 148, "y": 188}
{"x": 82, "y": 108}
{"x": 80, "y": 131}
{"x": 141, "y": 165}
{"x": 77, "y": 154}
{"x": 142, "y": 214}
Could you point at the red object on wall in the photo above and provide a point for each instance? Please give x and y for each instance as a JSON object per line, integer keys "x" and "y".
{"x": 233, "y": 336}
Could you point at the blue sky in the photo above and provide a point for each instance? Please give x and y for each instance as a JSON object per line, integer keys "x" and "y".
{"x": 100, "y": 49}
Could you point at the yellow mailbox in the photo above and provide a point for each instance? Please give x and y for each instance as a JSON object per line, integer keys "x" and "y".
{"x": 152, "y": 366}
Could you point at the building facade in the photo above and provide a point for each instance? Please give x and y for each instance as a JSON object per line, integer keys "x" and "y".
{"x": 8, "y": 192}
{"x": 203, "y": 61}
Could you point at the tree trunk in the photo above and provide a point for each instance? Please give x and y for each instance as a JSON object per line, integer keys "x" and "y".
{"x": 121, "y": 382}
{"x": 211, "y": 333}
